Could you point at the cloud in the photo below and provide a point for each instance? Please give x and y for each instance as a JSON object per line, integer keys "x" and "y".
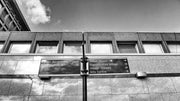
{"x": 35, "y": 11}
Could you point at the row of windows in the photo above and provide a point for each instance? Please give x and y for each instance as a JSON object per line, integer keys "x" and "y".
{"x": 95, "y": 47}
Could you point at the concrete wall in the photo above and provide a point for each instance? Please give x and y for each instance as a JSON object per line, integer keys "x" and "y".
{"x": 99, "y": 88}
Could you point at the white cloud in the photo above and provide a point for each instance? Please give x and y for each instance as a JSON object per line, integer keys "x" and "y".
{"x": 35, "y": 11}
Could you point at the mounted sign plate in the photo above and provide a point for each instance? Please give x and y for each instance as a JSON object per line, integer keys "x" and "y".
{"x": 105, "y": 66}
{"x": 59, "y": 67}
{"x": 72, "y": 67}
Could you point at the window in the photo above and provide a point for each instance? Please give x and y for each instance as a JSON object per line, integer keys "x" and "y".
{"x": 47, "y": 47}
{"x": 174, "y": 47}
{"x": 19, "y": 47}
{"x": 1, "y": 27}
{"x": 12, "y": 26}
{"x": 8, "y": 20}
{"x": 15, "y": 29}
{"x": 1, "y": 46}
{"x": 153, "y": 48}
{"x": 101, "y": 47}
{"x": 72, "y": 47}
{"x": 0, "y": 6}
{"x": 3, "y": 14}
{"x": 127, "y": 47}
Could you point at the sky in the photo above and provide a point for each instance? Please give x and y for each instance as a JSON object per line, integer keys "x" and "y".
{"x": 101, "y": 15}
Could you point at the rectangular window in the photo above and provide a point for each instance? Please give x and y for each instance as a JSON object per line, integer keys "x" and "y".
{"x": 1, "y": 46}
{"x": 19, "y": 47}
{"x": 47, "y": 47}
{"x": 153, "y": 48}
{"x": 101, "y": 47}
{"x": 127, "y": 47}
{"x": 174, "y": 47}
{"x": 72, "y": 47}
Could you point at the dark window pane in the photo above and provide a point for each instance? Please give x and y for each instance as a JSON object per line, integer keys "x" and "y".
{"x": 1, "y": 27}
{"x": 127, "y": 48}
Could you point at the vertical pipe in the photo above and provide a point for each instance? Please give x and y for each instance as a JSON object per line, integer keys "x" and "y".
{"x": 84, "y": 71}
{"x": 84, "y": 88}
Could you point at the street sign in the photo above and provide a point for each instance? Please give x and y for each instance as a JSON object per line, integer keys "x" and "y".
{"x": 59, "y": 67}
{"x": 104, "y": 66}
{"x": 72, "y": 67}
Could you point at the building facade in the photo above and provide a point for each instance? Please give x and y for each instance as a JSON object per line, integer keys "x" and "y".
{"x": 11, "y": 18}
{"x": 155, "y": 53}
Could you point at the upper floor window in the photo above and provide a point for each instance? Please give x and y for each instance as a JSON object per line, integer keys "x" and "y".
{"x": 1, "y": 27}
{"x": 174, "y": 47}
{"x": 8, "y": 20}
{"x": 4, "y": 13}
{"x": 72, "y": 47}
{"x": 12, "y": 26}
{"x": 47, "y": 47}
{"x": 1, "y": 6}
{"x": 127, "y": 47}
{"x": 101, "y": 47}
{"x": 153, "y": 48}
{"x": 19, "y": 47}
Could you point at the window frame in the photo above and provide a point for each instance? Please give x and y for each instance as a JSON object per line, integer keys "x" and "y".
{"x": 37, "y": 42}
{"x": 19, "y": 42}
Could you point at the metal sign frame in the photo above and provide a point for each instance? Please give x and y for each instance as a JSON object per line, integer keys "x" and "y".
{"x": 58, "y": 75}
{"x": 116, "y": 73}
{"x": 80, "y": 66}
